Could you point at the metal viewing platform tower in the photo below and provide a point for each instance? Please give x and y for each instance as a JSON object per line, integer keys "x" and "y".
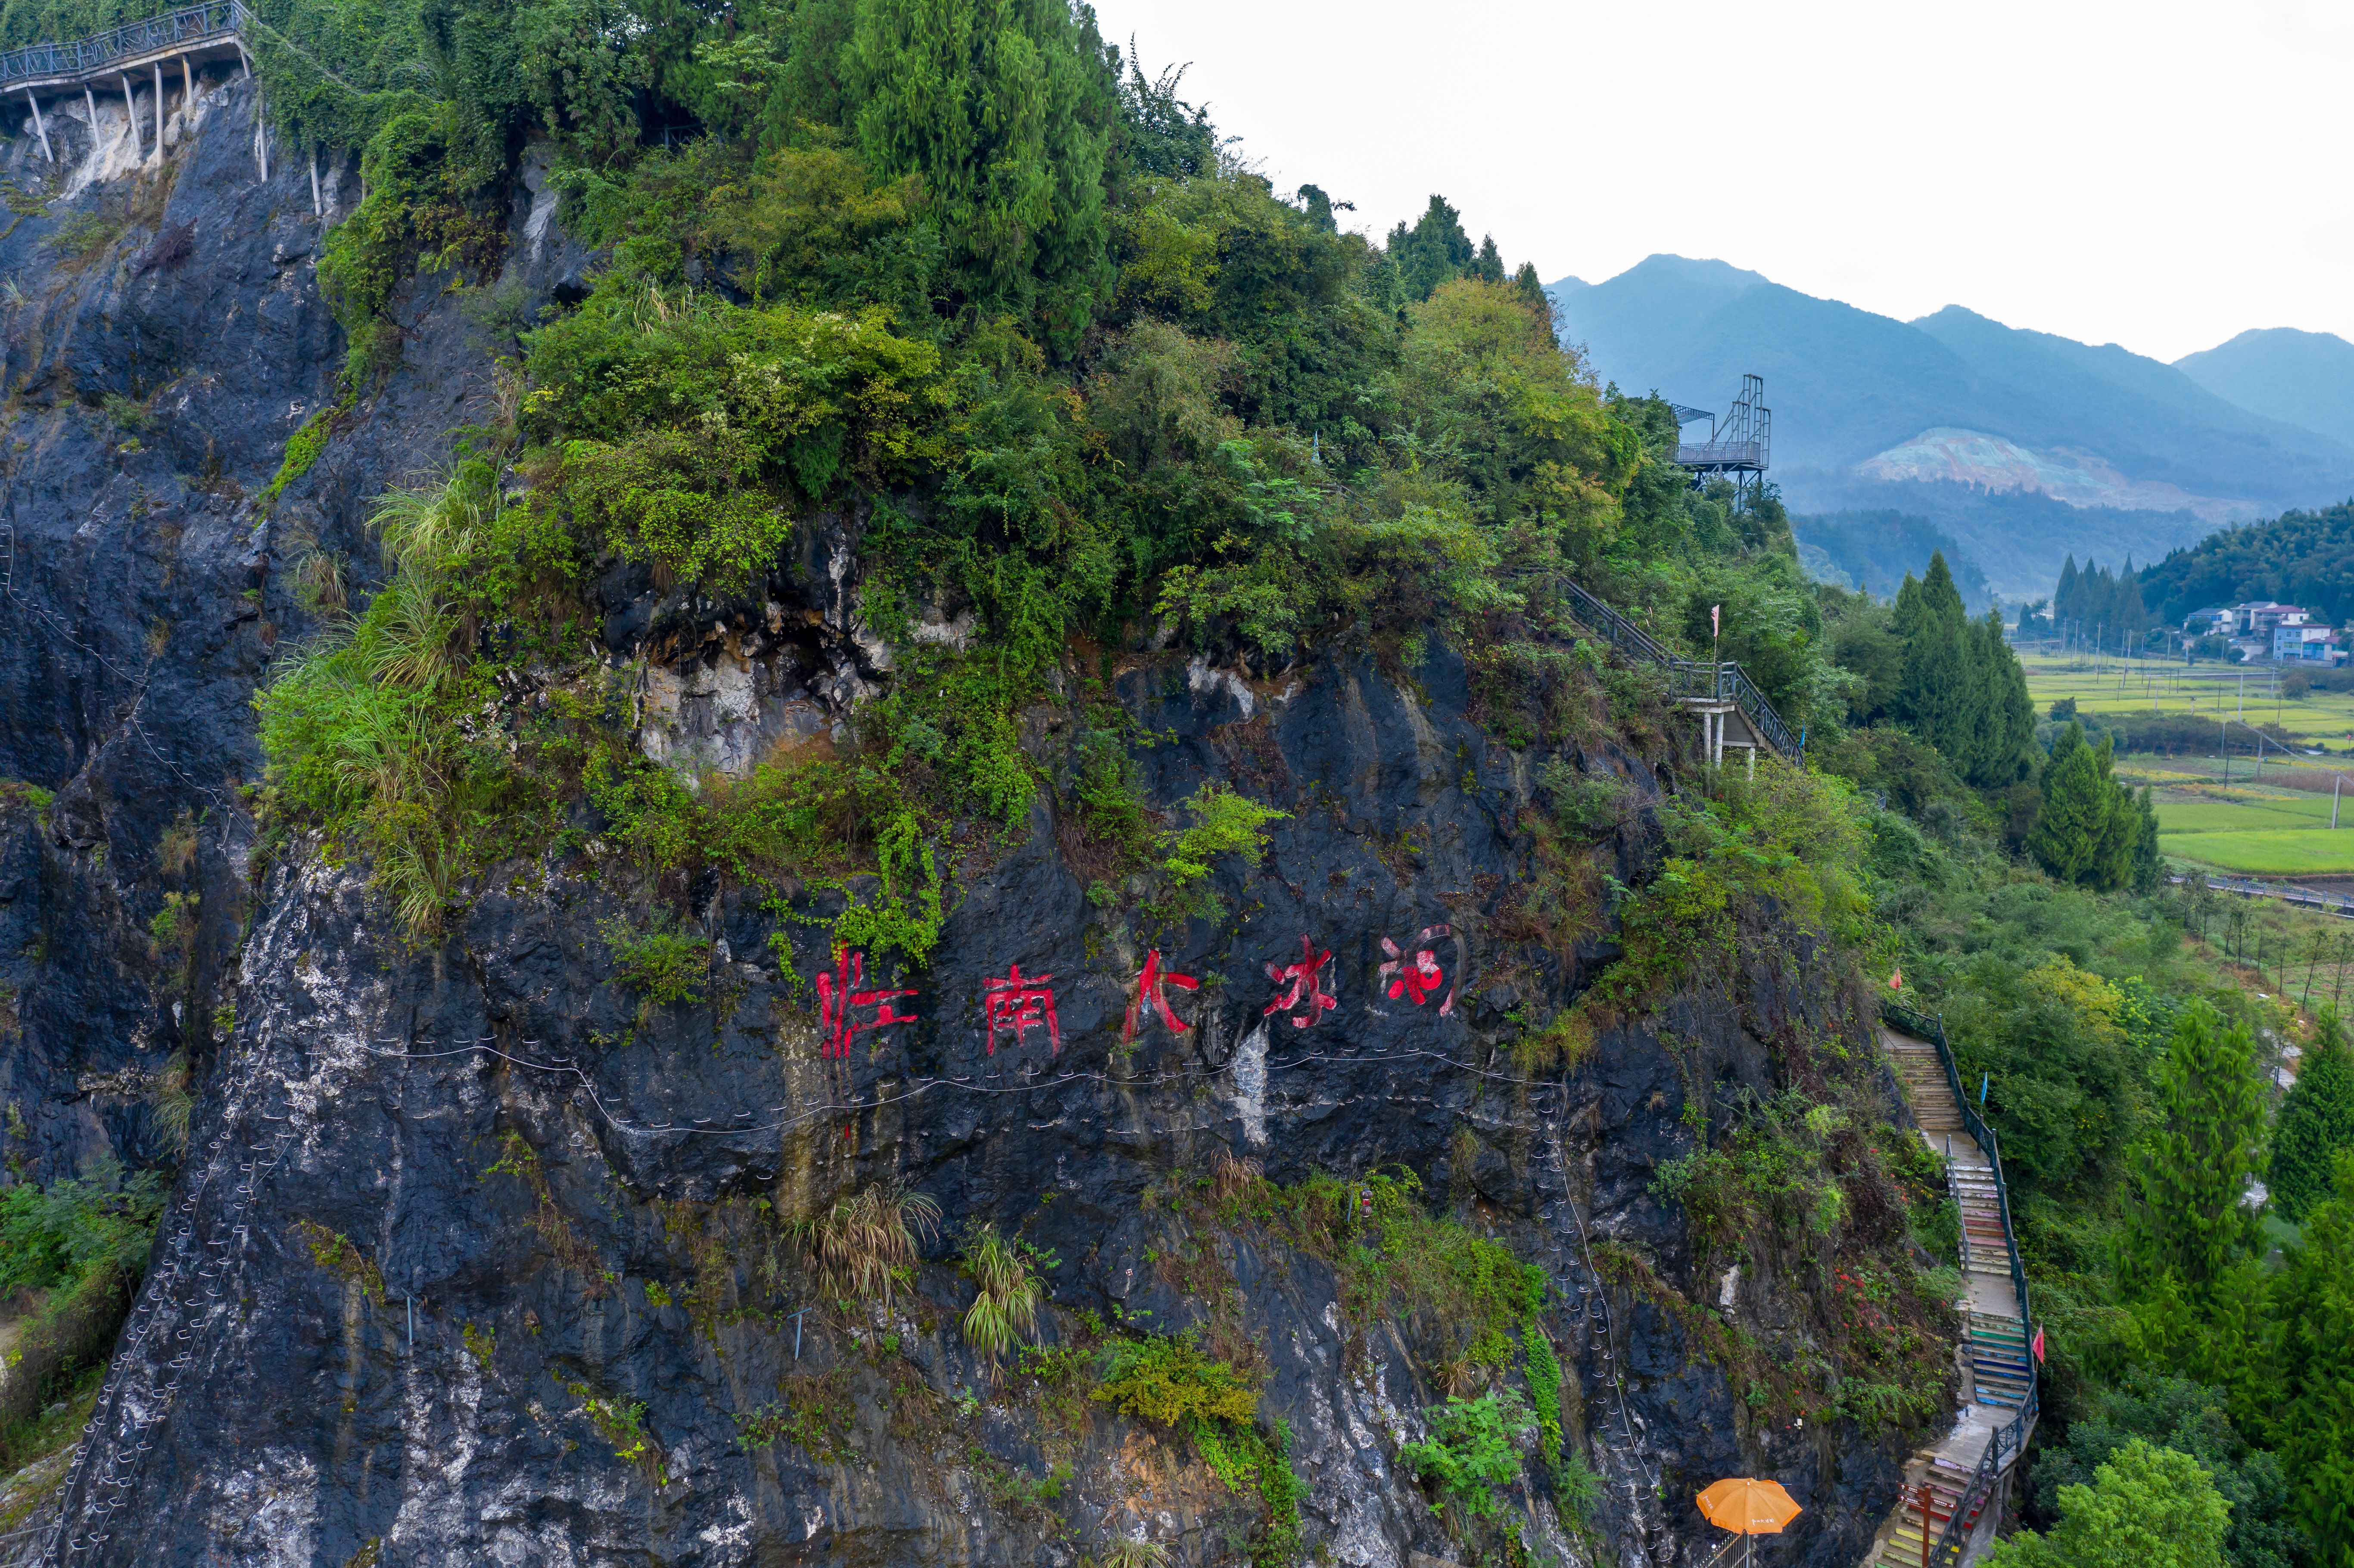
{"x": 1738, "y": 446}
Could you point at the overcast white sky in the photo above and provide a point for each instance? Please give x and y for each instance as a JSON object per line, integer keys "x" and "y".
{"x": 2162, "y": 175}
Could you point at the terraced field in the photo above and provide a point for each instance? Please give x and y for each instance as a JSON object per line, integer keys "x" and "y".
{"x": 2207, "y": 691}
{"x": 2254, "y": 829}
{"x": 2257, "y": 823}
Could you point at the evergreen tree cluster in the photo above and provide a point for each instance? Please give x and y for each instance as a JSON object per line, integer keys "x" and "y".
{"x": 2092, "y": 829}
{"x": 2316, "y": 1125}
{"x": 2277, "y": 1336}
{"x": 1436, "y": 250}
{"x": 1961, "y": 688}
{"x": 2299, "y": 558}
{"x": 2096, "y": 607}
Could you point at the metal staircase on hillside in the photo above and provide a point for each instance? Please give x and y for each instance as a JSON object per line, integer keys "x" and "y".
{"x": 1969, "y": 1468}
{"x": 1700, "y": 683}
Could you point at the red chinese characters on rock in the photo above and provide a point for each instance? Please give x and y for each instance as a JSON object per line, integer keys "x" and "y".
{"x": 1416, "y": 978}
{"x": 839, "y": 993}
{"x": 1306, "y": 990}
{"x": 1020, "y": 1004}
{"x": 1151, "y": 997}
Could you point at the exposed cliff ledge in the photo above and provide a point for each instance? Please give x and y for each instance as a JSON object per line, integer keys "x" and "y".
{"x": 164, "y": 340}
{"x": 375, "y": 1090}
{"x": 576, "y": 1189}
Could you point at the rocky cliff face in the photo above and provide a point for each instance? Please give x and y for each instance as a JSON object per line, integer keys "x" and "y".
{"x": 480, "y": 1251}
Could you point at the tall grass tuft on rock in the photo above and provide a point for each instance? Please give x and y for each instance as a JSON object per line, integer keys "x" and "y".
{"x": 354, "y": 724}
{"x": 861, "y": 1244}
{"x": 1005, "y": 1304}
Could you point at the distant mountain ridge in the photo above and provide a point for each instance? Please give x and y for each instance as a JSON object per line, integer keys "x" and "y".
{"x": 1938, "y": 416}
{"x": 2304, "y": 377}
{"x": 1876, "y": 550}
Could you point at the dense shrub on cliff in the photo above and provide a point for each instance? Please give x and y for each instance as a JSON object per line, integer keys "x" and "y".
{"x": 83, "y": 1243}
{"x": 1077, "y": 382}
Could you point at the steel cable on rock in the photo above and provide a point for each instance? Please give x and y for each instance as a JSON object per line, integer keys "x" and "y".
{"x": 1595, "y": 1305}
{"x": 146, "y": 1401}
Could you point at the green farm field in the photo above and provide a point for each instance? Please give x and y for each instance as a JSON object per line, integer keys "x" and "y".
{"x": 2274, "y": 851}
{"x": 2245, "y": 827}
{"x": 2205, "y": 691}
{"x": 2199, "y": 816}
{"x": 2253, "y": 823}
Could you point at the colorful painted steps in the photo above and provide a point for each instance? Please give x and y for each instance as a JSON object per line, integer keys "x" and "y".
{"x": 1995, "y": 1353}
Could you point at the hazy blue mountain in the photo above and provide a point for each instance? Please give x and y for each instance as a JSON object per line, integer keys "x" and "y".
{"x": 1843, "y": 383}
{"x": 2023, "y": 445}
{"x": 2303, "y": 377}
{"x": 2149, "y": 419}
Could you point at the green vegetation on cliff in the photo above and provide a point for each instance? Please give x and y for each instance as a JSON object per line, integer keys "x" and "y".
{"x": 1074, "y": 382}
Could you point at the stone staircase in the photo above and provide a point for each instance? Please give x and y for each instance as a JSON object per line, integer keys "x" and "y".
{"x": 1998, "y": 1383}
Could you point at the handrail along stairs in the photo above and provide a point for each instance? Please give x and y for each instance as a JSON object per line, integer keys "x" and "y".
{"x": 1724, "y": 681}
{"x": 2003, "y": 1447}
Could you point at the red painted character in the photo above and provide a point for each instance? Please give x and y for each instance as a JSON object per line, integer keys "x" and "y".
{"x": 1415, "y": 978}
{"x": 1149, "y": 990}
{"x": 1306, "y": 991}
{"x": 1021, "y": 1004}
{"x": 838, "y": 993}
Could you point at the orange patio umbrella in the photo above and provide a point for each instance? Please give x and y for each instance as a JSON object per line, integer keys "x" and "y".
{"x": 1748, "y": 1507}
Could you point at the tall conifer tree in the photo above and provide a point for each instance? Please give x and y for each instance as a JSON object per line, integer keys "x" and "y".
{"x": 1937, "y": 696}
{"x": 1489, "y": 266}
{"x": 2316, "y": 1121}
{"x": 2313, "y": 1304}
{"x": 2120, "y": 828}
{"x": 2006, "y": 750}
{"x": 2068, "y": 829}
{"x": 2148, "y": 869}
{"x": 2186, "y": 1221}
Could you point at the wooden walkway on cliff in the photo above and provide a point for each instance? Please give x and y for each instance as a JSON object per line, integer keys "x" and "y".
{"x": 190, "y": 37}
{"x": 1969, "y": 1470}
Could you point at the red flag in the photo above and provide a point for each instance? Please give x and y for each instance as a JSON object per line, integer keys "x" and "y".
{"x": 1715, "y": 628}
{"x": 1896, "y": 980}
{"x": 2039, "y": 1344}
